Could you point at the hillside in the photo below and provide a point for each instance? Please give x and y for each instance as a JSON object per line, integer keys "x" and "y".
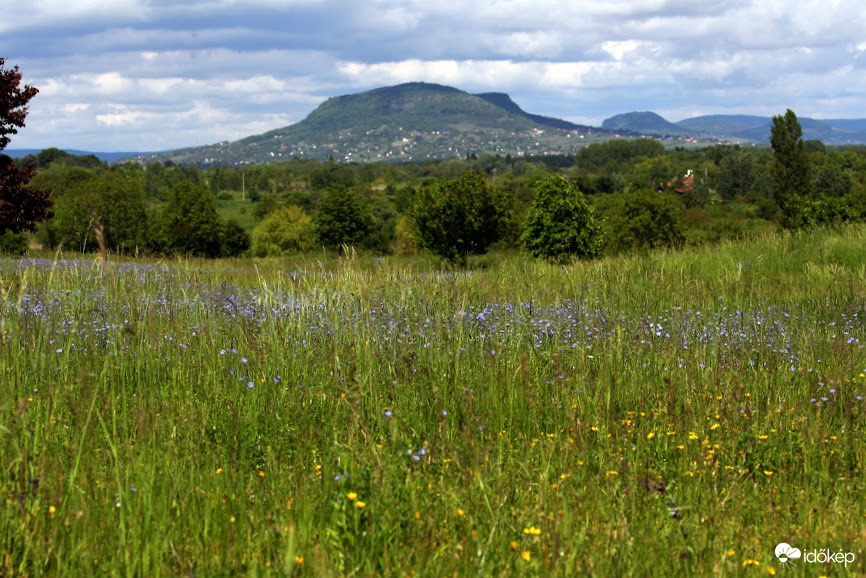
{"x": 747, "y": 128}
{"x": 645, "y": 123}
{"x": 408, "y": 122}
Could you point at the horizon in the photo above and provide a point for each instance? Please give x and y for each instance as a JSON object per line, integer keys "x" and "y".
{"x": 138, "y": 75}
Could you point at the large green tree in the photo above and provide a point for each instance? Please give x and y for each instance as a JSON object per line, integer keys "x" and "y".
{"x": 791, "y": 170}
{"x": 644, "y": 220}
{"x": 560, "y": 224}
{"x": 343, "y": 218}
{"x": 189, "y": 223}
{"x": 455, "y": 218}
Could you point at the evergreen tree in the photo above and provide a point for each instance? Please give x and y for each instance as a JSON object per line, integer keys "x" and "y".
{"x": 791, "y": 171}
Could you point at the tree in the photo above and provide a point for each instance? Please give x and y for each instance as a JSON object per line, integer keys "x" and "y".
{"x": 791, "y": 170}
{"x": 189, "y": 222}
{"x": 560, "y": 224}
{"x": 459, "y": 217}
{"x": 645, "y": 220}
{"x": 343, "y": 218}
{"x": 21, "y": 207}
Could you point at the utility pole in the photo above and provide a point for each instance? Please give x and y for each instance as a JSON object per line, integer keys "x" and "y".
{"x": 243, "y": 188}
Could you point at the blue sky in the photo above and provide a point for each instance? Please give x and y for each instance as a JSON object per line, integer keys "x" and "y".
{"x": 142, "y": 75}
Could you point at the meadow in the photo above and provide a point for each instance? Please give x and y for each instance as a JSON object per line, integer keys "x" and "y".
{"x": 670, "y": 414}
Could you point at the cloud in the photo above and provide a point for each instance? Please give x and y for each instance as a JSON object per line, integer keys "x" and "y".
{"x": 135, "y": 72}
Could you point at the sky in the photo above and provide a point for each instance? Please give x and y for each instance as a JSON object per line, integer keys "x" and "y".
{"x": 150, "y": 75}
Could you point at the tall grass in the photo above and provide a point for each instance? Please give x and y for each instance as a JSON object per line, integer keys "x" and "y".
{"x": 668, "y": 414}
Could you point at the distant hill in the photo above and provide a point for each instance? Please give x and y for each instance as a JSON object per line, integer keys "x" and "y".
{"x": 648, "y": 123}
{"x": 408, "y": 122}
{"x": 504, "y": 102}
{"x": 105, "y": 157}
{"x": 747, "y": 128}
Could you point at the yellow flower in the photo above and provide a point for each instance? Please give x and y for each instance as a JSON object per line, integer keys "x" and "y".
{"x": 261, "y": 474}
{"x": 219, "y": 471}
{"x": 52, "y": 510}
{"x": 693, "y": 435}
{"x": 594, "y": 428}
{"x": 731, "y": 553}
{"x": 771, "y": 571}
{"x": 417, "y": 515}
{"x": 513, "y": 545}
{"x": 532, "y": 531}
{"x": 352, "y": 496}
{"x": 650, "y": 435}
{"x": 360, "y": 505}
{"x": 768, "y": 473}
{"x": 750, "y": 562}
{"x": 526, "y": 555}
{"x": 611, "y": 474}
{"x": 715, "y": 426}
{"x": 461, "y": 512}
{"x": 299, "y": 560}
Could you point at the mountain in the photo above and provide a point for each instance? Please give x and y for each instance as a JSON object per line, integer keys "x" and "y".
{"x": 645, "y": 123}
{"x": 741, "y": 127}
{"x": 408, "y": 122}
{"x": 504, "y": 102}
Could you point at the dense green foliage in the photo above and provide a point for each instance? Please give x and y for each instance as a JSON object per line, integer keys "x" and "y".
{"x": 459, "y": 217}
{"x": 674, "y": 414}
{"x": 791, "y": 171}
{"x": 645, "y": 220}
{"x": 560, "y": 224}
{"x": 343, "y": 218}
{"x": 284, "y": 231}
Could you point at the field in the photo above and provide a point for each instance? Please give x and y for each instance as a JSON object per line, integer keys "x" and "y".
{"x": 665, "y": 415}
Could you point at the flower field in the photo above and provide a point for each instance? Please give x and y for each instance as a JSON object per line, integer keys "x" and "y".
{"x": 664, "y": 415}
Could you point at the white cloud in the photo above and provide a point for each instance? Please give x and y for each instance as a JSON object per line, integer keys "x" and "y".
{"x": 146, "y": 71}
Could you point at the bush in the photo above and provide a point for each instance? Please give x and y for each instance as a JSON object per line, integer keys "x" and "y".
{"x": 284, "y": 231}
{"x": 560, "y": 224}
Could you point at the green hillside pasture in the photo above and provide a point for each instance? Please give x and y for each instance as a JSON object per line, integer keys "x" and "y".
{"x": 665, "y": 415}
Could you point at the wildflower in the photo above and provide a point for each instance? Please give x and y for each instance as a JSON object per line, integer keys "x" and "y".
{"x": 731, "y": 553}
{"x": 715, "y": 426}
{"x": 611, "y": 474}
{"x": 52, "y": 510}
{"x": 650, "y": 435}
{"x": 513, "y": 545}
{"x": 352, "y": 496}
{"x": 526, "y": 555}
{"x": 299, "y": 560}
{"x": 771, "y": 571}
{"x": 219, "y": 471}
{"x": 750, "y": 562}
{"x": 768, "y": 473}
{"x": 360, "y": 505}
{"x": 389, "y": 413}
{"x": 261, "y": 474}
{"x": 532, "y": 531}
{"x": 461, "y": 512}
{"x": 693, "y": 436}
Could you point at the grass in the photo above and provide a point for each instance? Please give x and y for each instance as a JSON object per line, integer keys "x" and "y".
{"x": 662, "y": 415}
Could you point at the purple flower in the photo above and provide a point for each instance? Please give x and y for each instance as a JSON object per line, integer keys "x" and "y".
{"x": 388, "y": 413}
{"x": 243, "y": 359}
{"x": 250, "y": 384}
